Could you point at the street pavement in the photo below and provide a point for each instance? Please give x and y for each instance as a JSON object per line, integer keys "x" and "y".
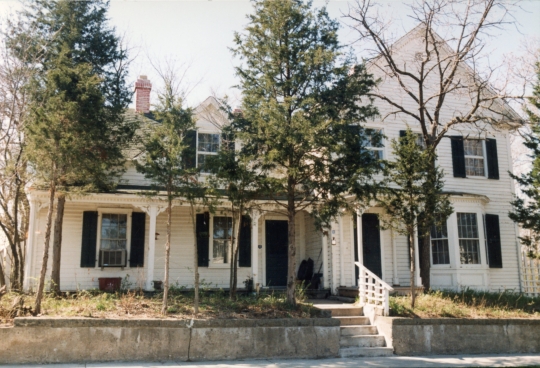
{"x": 506, "y": 360}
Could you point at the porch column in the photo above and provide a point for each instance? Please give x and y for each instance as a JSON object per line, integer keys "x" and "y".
{"x": 359, "y": 238}
{"x": 152, "y": 212}
{"x": 416, "y": 259}
{"x": 29, "y": 257}
{"x": 255, "y": 215}
{"x": 395, "y": 278}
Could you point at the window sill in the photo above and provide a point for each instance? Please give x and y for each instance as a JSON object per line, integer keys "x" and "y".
{"x": 476, "y": 177}
{"x": 219, "y": 265}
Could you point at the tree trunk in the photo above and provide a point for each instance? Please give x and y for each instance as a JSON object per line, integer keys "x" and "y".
{"x": 57, "y": 243}
{"x": 167, "y": 257}
{"x": 41, "y": 285}
{"x": 425, "y": 261}
{"x": 24, "y": 230}
{"x": 196, "y": 261}
{"x": 291, "y": 271}
{"x": 2, "y": 276}
{"x": 413, "y": 267}
{"x": 231, "y": 268}
{"x": 234, "y": 267}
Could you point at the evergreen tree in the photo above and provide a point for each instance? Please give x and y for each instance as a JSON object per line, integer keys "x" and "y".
{"x": 76, "y": 132}
{"x": 303, "y": 101}
{"x": 164, "y": 160}
{"x": 410, "y": 189}
{"x": 526, "y": 212}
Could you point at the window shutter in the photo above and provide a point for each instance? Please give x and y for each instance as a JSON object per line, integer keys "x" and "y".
{"x": 203, "y": 237}
{"x": 458, "y": 156}
{"x": 354, "y": 131}
{"x": 493, "y": 241}
{"x": 89, "y": 239}
{"x": 244, "y": 243}
{"x": 189, "y": 156}
{"x": 492, "y": 159}
{"x": 136, "y": 254}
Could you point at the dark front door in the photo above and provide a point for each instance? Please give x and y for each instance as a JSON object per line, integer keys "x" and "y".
{"x": 277, "y": 240}
{"x": 371, "y": 243}
{"x": 356, "y": 257}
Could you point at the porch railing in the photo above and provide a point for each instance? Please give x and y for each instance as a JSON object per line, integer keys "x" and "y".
{"x": 373, "y": 290}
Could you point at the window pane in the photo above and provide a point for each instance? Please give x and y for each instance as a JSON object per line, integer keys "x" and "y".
{"x": 468, "y": 238}
{"x": 439, "y": 244}
{"x": 208, "y": 142}
{"x": 221, "y": 239}
{"x": 113, "y": 231}
{"x": 474, "y": 166}
{"x": 473, "y": 147}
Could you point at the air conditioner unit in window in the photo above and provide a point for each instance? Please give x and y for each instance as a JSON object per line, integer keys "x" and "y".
{"x": 113, "y": 258}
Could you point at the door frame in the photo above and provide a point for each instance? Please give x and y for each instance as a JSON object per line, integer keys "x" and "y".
{"x": 264, "y": 218}
{"x": 383, "y": 235}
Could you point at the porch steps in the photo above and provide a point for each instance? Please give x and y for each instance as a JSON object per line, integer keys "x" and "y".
{"x": 358, "y": 337}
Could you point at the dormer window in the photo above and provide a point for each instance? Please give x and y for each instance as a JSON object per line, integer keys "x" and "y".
{"x": 207, "y": 144}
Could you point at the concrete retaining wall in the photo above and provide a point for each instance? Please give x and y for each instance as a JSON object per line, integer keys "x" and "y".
{"x": 460, "y": 336}
{"x": 70, "y": 340}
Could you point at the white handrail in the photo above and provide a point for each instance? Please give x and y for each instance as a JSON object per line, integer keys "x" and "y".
{"x": 373, "y": 290}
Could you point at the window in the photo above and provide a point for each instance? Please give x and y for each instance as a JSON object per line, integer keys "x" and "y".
{"x": 221, "y": 239}
{"x": 374, "y": 142}
{"x": 419, "y": 138}
{"x": 113, "y": 232}
{"x": 469, "y": 242}
{"x": 474, "y": 157}
{"x": 207, "y": 144}
{"x": 439, "y": 244}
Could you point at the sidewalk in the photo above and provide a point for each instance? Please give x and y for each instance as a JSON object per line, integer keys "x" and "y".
{"x": 514, "y": 360}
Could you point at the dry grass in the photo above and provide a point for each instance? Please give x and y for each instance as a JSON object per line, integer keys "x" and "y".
{"x": 131, "y": 304}
{"x": 466, "y": 304}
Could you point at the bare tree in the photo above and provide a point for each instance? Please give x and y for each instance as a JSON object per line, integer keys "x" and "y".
{"x": 453, "y": 62}
{"x": 16, "y": 70}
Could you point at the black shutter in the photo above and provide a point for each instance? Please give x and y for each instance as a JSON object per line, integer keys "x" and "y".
{"x": 458, "y": 156}
{"x": 244, "y": 243}
{"x": 190, "y": 153}
{"x": 136, "y": 254}
{"x": 493, "y": 235}
{"x": 89, "y": 239}
{"x": 203, "y": 237}
{"x": 492, "y": 159}
{"x": 354, "y": 131}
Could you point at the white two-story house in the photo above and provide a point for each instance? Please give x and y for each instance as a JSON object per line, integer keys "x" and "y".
{"x": 123, "y": 233}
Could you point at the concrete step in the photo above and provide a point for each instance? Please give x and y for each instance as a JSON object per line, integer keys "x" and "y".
{"x": 362, "y": 341}
{"x": 353, "y": 320}
{"x": 365, "y": 352}
{"x": 358, "y": 330}
{"x": 347, "y": 312}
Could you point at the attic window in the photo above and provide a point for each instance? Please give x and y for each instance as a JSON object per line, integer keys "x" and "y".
{"x": 419, "y": 56}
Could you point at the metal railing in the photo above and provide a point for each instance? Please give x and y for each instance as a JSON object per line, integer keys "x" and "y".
{"x": 373, "y": 290}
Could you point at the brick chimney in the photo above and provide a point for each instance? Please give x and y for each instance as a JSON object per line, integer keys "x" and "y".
{"x": 142, "y": 94}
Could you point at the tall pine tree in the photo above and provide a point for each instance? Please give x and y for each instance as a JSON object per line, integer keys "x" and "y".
{"x": 303, "y": 101}
{"x": 526, "y": 211}
{"x": 76, "y": 132}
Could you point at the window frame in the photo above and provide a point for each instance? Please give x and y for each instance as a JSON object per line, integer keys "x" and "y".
{"x": 480, "y": 252}
{"x": 211, "y": 263}
{"x": 381, "y": 149}
{"x": 483, "y": 157}
{"x": 114, "y": 211}
{"x": 448, "y": 244}
{"x": 197, "y": 152}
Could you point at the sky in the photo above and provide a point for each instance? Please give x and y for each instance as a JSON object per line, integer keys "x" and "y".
{"x": 198, "y": 34}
